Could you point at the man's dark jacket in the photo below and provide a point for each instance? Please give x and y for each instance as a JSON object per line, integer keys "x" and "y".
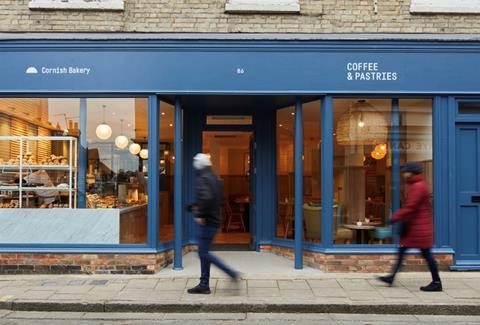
{"x": 209, "y": 195}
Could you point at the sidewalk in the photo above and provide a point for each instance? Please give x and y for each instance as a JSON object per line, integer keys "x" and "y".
{"x": 282, "y": 290}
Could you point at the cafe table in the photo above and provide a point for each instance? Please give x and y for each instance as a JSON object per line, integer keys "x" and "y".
{"x": 361, "y": 231}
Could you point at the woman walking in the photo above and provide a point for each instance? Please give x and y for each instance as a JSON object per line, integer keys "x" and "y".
{"x": 416, "y": 224}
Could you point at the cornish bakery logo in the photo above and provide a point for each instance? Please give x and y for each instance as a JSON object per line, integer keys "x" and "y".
{"x": 31, "y": 70}
{"x": 59, "y": 70}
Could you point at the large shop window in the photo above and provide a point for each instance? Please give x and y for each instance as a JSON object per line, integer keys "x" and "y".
{"x": 117, "y": 168}
{"x": 312, "y": 211}
{"x": 365, "y": 137}
{"x": 39, "y": 164}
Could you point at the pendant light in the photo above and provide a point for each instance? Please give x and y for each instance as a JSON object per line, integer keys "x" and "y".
{"x": 103, "y": 131}
{"x": 361, "y": 124}
{"x": 134, "y": 148}
{"x": 121, "y": 141}
{"x": 144, "y": 153}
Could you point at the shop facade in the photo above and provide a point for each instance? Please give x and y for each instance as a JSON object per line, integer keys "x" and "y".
{"x": 98, "y": 138}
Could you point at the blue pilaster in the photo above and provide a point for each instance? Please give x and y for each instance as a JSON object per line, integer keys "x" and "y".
{"x": 327, "y": 170}
{"x": 395, "y": 155}
{"x": 153, "y": 170}
{"x": 298, "y": 185}
{"x": 177, "y": 178}
{"x": 82, "y": 155}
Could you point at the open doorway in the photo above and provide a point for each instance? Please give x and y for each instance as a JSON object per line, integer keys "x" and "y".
{"x": 230, "y": 152}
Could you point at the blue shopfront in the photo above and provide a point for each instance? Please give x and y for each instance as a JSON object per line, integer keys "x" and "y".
{"x": 308, "y": 136}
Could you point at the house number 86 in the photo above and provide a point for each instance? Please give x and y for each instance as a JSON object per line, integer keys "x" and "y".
{"x": 240, "y": 70}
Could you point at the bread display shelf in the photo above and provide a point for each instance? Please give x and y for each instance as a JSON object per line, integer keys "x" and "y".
{"x": 26, "y": 166}
{"x": 36, "y": 167}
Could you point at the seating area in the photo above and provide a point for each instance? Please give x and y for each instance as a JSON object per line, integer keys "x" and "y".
{"x": 373, "y": 230}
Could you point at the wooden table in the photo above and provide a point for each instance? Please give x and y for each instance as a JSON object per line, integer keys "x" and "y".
{"x": 364, "y": 228}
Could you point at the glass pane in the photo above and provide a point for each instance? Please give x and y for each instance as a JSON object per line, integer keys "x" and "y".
{"x": 117, "y": 167}
{"x": 167, "y": 160}
{"x": 469, "y": 108}
{"x": 416, "y": 135}
{"x": 312, "y": 211}
{"x": 285, "y": 172}
{"x": 38, "y": 138}
{"x": 229, "y": 120}
{"x": 362, "y": 170}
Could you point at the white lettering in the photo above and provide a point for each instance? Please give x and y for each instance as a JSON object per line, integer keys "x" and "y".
{"x": 65, "y": 70}
{"x": 368, "y": 71}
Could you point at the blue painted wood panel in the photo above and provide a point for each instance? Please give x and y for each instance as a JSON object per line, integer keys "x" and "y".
{"x": 468, "y": 192}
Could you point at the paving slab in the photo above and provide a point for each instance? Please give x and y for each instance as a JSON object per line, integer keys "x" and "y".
{"x": 44, "y": 315}
{"x": 329, "y": 292}
{"x": 124, "y": 316}
{"x": 230, "y": 285}
{"x": 4, "y": 313}
{"x": 32, "y": 294}
{"x": 324, "y": 283}
{"x": 395, "y": 293}
{"x": 371, "y": 317}
{"x": 356, "y": 285}
{"x": 448, "y": 319}
{"x": 262, "y": 284}
{"x": 463, "y": 293}
{"x": 263, "y": 292}
{"x": 230, "y": 293}
{"x": 293, "y": 285}
{"x": 205, "y": 316}
{"x": 288, "y": 317}
{"x": 75, "y": 289}
{"x": 142, "y": 284}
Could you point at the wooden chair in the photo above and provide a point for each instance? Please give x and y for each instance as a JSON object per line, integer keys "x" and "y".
{"x": 312, "y": 216}
{"x": 341, "y": 233}
{"x": 234, "y": 217}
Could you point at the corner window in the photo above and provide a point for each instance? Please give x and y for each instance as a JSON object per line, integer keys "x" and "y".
{"x": 363, "y": 144}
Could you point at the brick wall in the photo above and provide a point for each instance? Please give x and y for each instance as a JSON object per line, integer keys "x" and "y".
{"x": 25, "y": 263}
{"x": 317, "y": 16}
{"x": 378, "y": 263}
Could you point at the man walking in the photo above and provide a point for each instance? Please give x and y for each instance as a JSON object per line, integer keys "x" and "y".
{"x": 416, "y": 224}
{"x": 209, "y": 197}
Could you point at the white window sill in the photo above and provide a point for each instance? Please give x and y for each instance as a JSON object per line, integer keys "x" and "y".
{"x": 76, "y": 4}
{"x": 445, "y": 6}
{"x": 262, "y": 6}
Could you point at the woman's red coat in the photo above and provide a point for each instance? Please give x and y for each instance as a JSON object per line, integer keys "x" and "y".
{"x": 416, "y": 215}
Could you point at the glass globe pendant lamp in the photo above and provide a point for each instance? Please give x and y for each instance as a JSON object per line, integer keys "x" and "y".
{"x": 103, "y": 131}
{"x": 144, "y": 153}
{"x": 121, "y": 141}
{"x": 134, "y": 148}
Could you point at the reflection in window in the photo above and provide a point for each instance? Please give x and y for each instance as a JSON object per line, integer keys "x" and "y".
{"x": 285, "y": 172}
{"x": 312, "y": 211}
{"x": 362, "y": 169}
{"x": 416, "y": 135}
{"x": 167, "y": 160}
{"x": 117, "y": 169}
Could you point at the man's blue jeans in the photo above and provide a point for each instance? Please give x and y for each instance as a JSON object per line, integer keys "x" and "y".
{"x": 205, "y": 239}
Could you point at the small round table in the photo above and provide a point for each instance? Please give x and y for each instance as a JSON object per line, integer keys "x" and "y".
{"x": 364, "y": 228}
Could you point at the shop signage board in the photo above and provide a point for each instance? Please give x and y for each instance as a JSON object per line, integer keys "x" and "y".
{"x": 239, "y": 70}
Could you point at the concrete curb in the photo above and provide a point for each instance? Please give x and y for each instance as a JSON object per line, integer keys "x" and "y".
{"x": 411, "y": 309}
